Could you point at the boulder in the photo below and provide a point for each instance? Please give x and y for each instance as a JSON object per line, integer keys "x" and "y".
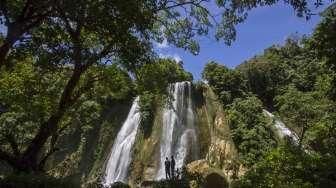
{"x": 203, "y": 173}
{"x": 198, "y": 167}
{"x": 215, "y": 180}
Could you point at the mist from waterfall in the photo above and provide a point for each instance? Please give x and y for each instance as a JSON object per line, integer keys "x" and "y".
{"x": 120, "y": 156}
{"x": 281, "y": 128}
{"x": 179, "y": 136}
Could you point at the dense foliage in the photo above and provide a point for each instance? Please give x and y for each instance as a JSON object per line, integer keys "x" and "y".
{"x": 227, "y": 83}
{"x": 20, "y": 120}
{"x": 62, "y": 61}
{"x": 176, "y": 21}
{"x": 297, "y": 82}
{"x": 288, "y": 166}
{"x": 249, "y": 130}
{"x": 156, "y": 76}
{"x": 300, "y": 110}
{"x": 268, "y": 74}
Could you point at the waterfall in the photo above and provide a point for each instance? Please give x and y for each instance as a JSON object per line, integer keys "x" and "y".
{"x": 178, "y": 131}
{"x": 120, "y": 156}
{"x": 281, "y": 128}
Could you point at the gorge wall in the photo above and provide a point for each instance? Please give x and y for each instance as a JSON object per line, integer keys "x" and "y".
{"x": 190, "y": 125}
{"x": 194, "y": 130}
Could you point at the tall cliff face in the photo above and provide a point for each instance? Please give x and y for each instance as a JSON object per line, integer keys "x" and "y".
{"x": 174, "y": 134}
{"x": 198, "y": 112}
{"x": 215, "y": 147}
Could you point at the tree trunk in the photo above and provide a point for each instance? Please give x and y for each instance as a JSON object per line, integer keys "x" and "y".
{"x": 4, "y": 49}
{"x": 13, "y": 34}
{"x": 30, "y": 158}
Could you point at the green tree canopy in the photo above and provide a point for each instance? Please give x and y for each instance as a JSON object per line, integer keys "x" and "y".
{"x": 29, "y": 95}
{"x": 299, "y": 110}
{"x": 177, "y": 21}
{"x": 228, "y": 84}
{"x": 250, "y": 132}
{"x": 280, "y": 66}
{"x": 156, "y": 76}
{"x": 323, "y": 42}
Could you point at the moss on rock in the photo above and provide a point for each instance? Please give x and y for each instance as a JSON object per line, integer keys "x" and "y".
{"x": 216, "y": 145}
{"x": 201, "y": 174}
{"x": 146, "y": 150}
{"x": 83, "y": 154}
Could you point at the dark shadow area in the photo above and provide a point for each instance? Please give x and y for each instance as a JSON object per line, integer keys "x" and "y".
{"x": 165, "y": 184}
{"x": 37, "y": 181}
{"x": 215, "y": 180}
{"x": 198, "y": 97}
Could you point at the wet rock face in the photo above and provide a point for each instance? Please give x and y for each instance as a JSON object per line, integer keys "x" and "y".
{"x": 199, "y": 166}
{"x": 217, "y": 150}
{"x": 149, "y": 173}
{"x": 220, "y": 151}
{"x": 222, "y": 155}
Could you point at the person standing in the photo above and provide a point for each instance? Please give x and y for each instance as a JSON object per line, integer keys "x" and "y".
{"x": 178, "y": 173}
{"x": 172, "y": 165}
{"x": 167, "y": 167}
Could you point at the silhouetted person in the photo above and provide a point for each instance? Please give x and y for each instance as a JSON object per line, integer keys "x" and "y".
{"x": 167, "y": 167}
{"x": 178, "y": 173}
{"x": 172, "y": 166}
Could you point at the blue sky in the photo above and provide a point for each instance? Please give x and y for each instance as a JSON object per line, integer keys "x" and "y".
{"x": 264, "y": 27}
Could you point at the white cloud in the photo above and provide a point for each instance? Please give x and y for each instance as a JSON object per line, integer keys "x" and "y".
{"x": 163, "y": 44}
{"x": 176, "y": 57}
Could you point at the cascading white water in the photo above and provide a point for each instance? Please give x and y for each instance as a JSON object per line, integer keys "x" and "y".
{"x": 282, "y": 129}
{"x": 178, "y": 132}
{"x": 120, "y": 156}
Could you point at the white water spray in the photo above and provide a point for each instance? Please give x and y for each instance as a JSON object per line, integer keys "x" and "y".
{"x": 178, "y": 132}
{"x": 120, "y": 156}
{"x": 281, "y": 128}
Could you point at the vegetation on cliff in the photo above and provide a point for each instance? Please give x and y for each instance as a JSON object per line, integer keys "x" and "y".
{"x": 68, "y": 70}
{"x": 296, "y": 81}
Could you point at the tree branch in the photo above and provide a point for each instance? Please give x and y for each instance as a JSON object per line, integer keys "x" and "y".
{"x": 50, "y": 127}
{"x": 45, "y": 158}
{"x": 177, "y": 5}
{"x": 4, "y": 9}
